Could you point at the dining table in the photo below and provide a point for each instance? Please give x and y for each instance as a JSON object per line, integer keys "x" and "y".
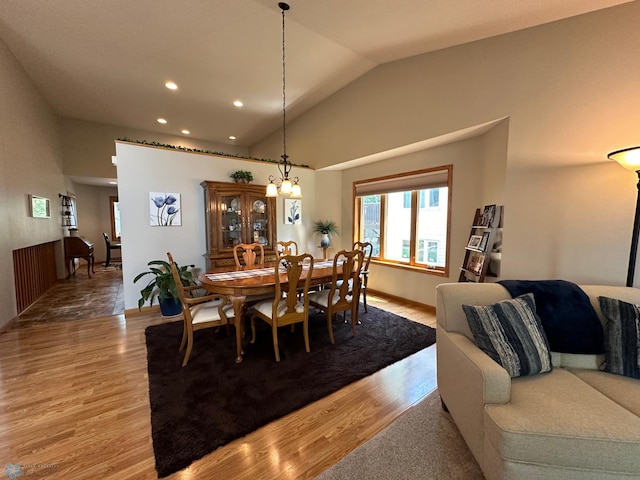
{"x": 237, "y": 283}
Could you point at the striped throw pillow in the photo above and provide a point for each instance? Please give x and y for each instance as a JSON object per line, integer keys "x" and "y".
{"x": 621, "y": 337}
{"x": 511, "y": 333}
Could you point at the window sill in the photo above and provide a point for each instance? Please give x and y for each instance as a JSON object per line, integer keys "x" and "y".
{"x": 412, "y": 268}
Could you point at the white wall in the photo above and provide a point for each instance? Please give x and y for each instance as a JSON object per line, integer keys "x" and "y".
{"x": 146, "y": 169}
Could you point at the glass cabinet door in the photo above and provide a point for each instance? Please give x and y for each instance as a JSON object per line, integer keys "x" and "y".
{"x": 231, "y": 220}
{"x": 258, "y": 219}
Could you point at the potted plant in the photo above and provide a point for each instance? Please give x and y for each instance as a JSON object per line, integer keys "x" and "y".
{"x": 163, "y": 286}
{"x": 327, "y": 228}
{"x": 242, "y": 176}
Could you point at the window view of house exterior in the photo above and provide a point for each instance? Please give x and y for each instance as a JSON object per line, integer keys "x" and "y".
{"x": 407, "y": 226}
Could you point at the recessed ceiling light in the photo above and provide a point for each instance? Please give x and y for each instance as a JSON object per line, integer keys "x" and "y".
{"x": 171, "y": 86}
{"x": 162, "y": 120}
{"x": 185, "y": 131}
{"x": 238, "y": 103}
{"x": 232, "y": 137}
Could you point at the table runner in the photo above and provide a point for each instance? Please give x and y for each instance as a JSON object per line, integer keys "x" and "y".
{"x": 257, "y": 272}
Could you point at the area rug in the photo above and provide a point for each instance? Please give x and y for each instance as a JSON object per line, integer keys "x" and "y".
{"x": 213, "y": 400}
{"x": 423, "y": 443}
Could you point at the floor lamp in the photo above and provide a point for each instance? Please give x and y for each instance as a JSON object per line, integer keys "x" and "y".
{"x": 629, "y": 158}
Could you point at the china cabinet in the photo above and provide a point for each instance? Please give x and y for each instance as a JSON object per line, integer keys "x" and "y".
{"x": 237, "y": 213}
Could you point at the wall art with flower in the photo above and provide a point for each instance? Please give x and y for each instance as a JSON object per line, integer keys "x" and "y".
{"x": 164, "y": 209}
{"x": 292, "y": 211}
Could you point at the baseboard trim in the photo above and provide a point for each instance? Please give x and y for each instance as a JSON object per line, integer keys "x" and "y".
{"x": 136, "y": 312}
{"x": 8, "y": 325}
{"x": 389, "y": 296}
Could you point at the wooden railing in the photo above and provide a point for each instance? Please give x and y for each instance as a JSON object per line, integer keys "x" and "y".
{"x": 34, "y": 270}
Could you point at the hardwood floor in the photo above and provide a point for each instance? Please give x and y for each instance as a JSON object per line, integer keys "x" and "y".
{"x": 74, "y": 402}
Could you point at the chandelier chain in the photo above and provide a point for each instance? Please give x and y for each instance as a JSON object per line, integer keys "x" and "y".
{"x": 284, "y": 99}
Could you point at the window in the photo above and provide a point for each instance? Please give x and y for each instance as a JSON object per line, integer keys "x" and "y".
{"x": 406, "y": 218}
{"x": 115, "y": 218}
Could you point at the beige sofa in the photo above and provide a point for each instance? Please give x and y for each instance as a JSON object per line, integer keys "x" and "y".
{"x": 575, "y": 422}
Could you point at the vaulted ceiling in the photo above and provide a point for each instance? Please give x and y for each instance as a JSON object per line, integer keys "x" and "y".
{"x": 108, "y": 60}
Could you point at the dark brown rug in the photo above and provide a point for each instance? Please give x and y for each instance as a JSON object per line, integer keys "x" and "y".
{"x": 213, "y": 400}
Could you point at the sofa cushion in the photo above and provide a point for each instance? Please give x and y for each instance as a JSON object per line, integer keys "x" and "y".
{"x": 558, "y": 419}
{"x": 622, "y": 390}
{"x": 568, "y": 318}
{"x": 622, "y": 337}
{"x": 511, "y": 334}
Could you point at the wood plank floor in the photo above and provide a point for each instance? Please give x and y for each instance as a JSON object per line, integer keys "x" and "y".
{"x": 74, "y": 404}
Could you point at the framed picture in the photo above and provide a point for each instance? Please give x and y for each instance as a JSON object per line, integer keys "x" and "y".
{"x": 39, "y": 207}
{"x": 488, "y": 213}
{"x": 474, "y": 241}
{"x": 164, "y": 209}
{"x": 292, "y": 211}
{"x": 484, "y": 241}
{"x": 475, "y": 263}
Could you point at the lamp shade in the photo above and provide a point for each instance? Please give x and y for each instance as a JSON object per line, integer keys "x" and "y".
{"x": 272, "y": 190}
{"x": 286, "y": 186}
{"x": 296, "y": 191}
{"x": 629, "y": 158}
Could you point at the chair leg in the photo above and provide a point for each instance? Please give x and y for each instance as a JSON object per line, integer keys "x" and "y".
{"x": 305, "y": 330}
{"x": 274, "y": 334}
{"x": 330, "y": 326}
{"x": 189, "y": 348}
{"x": 184, "y": 336}
{"x": 364, "y": 297}
{"x": 253, "y": 331}
{"x": 354, "y": 317}
{"x": 108, "y": 257}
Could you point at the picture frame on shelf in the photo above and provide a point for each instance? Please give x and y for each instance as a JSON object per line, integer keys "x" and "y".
{"x": 488, "y": 214}
{"x": 474, "y": 242}
{"x": 475, "y": 262}
{"x": 484, "y": 241}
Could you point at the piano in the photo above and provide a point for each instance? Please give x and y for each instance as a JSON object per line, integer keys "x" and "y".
{"x": 78, "y": 247}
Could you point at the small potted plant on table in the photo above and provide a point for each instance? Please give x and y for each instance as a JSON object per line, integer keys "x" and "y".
{"x": 327, "y": 228}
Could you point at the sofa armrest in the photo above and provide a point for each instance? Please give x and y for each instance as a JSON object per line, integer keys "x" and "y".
{"x": 468, "y": 379}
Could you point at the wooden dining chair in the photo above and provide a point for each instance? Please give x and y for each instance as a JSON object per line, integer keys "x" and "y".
{"x": 367, "y": 250}
{"x": 109, "y": 245}
{"x": 287, "y": 248}
{"x": 247, "y": 251}
{"x": 287, "y": 308}
{"x": 339, "y": 296}
{"x": 198, "y": 312}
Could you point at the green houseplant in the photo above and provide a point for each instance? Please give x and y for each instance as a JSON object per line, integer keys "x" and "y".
{"x": 242, "y": 176}
{"x": 327, "y": 228}
{"x": 163, "y": 286}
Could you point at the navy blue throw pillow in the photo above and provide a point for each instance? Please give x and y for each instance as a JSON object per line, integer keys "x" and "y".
{"x": 568, "y": 318}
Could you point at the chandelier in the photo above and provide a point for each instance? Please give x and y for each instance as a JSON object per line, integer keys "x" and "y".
{"x": 285, "y": 185}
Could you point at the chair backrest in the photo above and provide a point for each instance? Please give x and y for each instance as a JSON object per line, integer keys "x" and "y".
{"x": 367, "y": 250}
{"x": 351, "y": 262}
{"x": 287, "y": 248}
{"x": 288, "y": 286}
{"x": 248, "y": 253}
{"x": 106, "y": 239}
{"x": 176, "y": 278}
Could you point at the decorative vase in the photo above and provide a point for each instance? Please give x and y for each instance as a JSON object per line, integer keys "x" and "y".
{"x": 324, "y": 241}
{"x": 170, "y": 307}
